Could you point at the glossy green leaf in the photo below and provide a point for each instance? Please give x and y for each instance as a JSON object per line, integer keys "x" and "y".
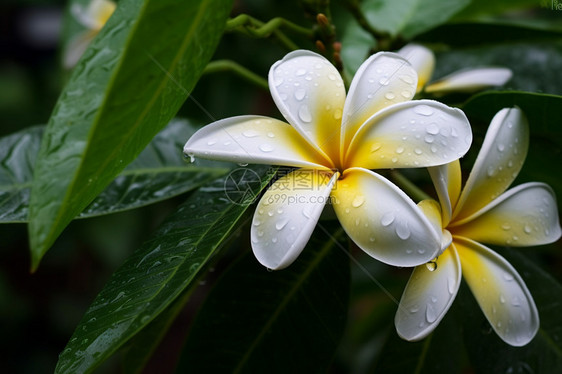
{"x": 158, "y": 272}
{"x": 440, "y": 352}
{"x": 127, "y": 86}
{"x": 471, "y": 34}
{"x": 489, "y": 354}
{"x": 483, "y": 8}
{"x": 544, "y": 113}
{"x": 409, "y": 18}
{"x": 280, "y": 322}
{"x": 159, "y": 173}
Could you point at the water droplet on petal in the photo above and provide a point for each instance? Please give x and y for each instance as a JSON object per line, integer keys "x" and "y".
{"x": 407, "y": 79}
{"x": 384, "y": 81}
{"x": 211, "y": 142}
{"x": 491, "y": 171}
{"x": 279, "y": 225}
{"x": 358, "y": 201}
{"x": 430, "y": 314}
{"x": 266, "y": 148}
{"x": 250, "y": 133}
{"x": 372, "y": 239}
{"x": 331, "y": 77}
{"x": 451, "y": 285}
{"x": 304, "y": 113}
{"x": 406, "y": 94}
{"x": 301, "y": 72}
{"x": 300, "y": 94}
{"x": 414, "y": 309}
{"x": 501, "y": 147}
{"x": 389, "y": 96}
{"x": 432, "y": 129}
{"x": 506, "y": 226}
{"x": 502, "y": 299}
{"x": 418, "y": 151}
{"x": 191, "y": 157}
{"x": 424, "y": 110}
{"x": 515, "y": 301}
{"x": 431, "y": 265}
{"x": 428, "y": 139}
{"x": 527, "y": 229}
{"x": 400, "y": 150}
{"x": 402, "y": 230}
{"x": 375, "y": 147}
{"x": 387, "y": 219}
{"x": 270, "y": 135}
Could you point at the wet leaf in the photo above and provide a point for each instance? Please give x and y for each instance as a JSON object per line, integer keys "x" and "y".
{"x": 161, "y": 269}
{"x": 286, "y": 321}
{"x": 127, "y": 86}
{"x": 159, "y": 173}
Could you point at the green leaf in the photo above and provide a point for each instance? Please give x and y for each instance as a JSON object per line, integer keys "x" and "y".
{"x": 409, "y": 18}
{"x": 543, "y": 354}
{"x": 158, "y": 272}
{"x": 440, "y": 352}
{"x": 481, "y": 8}
{"x": 544, "y": 113}
{"x": 356, "y": 44}
{"x": 469, "y": 34}
{"x": 159, "y": 173}
{"x": 127, "y": 86}
{"x": 286, "y": 321}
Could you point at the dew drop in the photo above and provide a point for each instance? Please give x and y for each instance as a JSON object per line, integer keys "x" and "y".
{"x": 491, "y": 171}
{"x": 400, "y": 150}
{"x": 515, "y": 301}
{"x": 418, "y": 151}
{"x": 301, "y": 72}
{"x": 429, "y": 139}
{"x": 281, "y": 224}
{"x": 266, "y": 148}
{"x": 527, "y": 229}
{"x": 304, "y": 113}
{"x": 508, "y": 277}
{"x": 432, "y": 129}
{"x": 274, "y": 239}
{"x": 421, "y": 251}
{"x": 270, "y": 135}
{"x": 433, "y": 149}
{"x": 414, "y": 309}
{"x": 424, "y": 110}
{"x": 243, "y": 164}
{"x": 506, "y": 226}
{"x": 211, "y": 142}
{"x": 337, "y": 114}
{"x": 431, "y": 265}
{"x": 502, "y": 299}
{"x": 430, "y": 314}
{"x": 501, "y": 147}
{"x": 406, "y": 94}
{"x": 332, "y": 77}
{"x": 384, "y": 81}
{"x": 191, "y": 157}
{"x": 250, "y": 133}
{"x": 278, "y": 81}
{"x": 358, "y": 201}
{"x": 402, "y": 230}
{"x": 451, "y": 285}
{"x": 389, "y": 96}
{"x": 375, "y": 147}
{"x": 372, "y": 239}
{"x": 300, "y": 94}
{"x": 387, "y": 219}
{"x": 394, "y": 159}
{"x": 407, "y": 79}
{"x": 270, "y": 213}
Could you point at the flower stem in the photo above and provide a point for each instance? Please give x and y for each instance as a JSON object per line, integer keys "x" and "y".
{"x": 219, "y": 66}
{"x": 410, "y": 188}
{"x": 256, "y": 28}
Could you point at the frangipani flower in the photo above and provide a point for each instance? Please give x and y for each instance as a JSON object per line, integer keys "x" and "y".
{"x": 93, "y": 18}
{"x": 334, "y": 141}
{"x": 525, "y": 215}
{"x": 469, "y": 80}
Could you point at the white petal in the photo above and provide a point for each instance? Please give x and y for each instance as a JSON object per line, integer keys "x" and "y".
{"x": 310, "y": 94}
{"x": 76, "y": 47}
{"x": 470, "y": 80}
{"x": 382, "y": 220}
{"x": 287, "y": 214}
{"x": 422, "y": 60}
{"x": 523, "y": 216}
{"x": 500, "y": 292}
{"x": 447, "y": 181}
{"x": 382, "y": 80}
{"x": 255, "y": 140}
{"x": 499, "y": 161}
{"x": 429, "y": 294}
{"x": 412, "y": 134}
{"x": 95, "y": 15}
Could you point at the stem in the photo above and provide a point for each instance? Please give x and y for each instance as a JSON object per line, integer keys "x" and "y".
{"x": 256, "y": 28}
{"x": 219, "y": 66}
{"x": 410, "y": 188}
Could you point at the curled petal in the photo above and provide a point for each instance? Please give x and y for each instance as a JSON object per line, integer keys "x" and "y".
{"x": 412, "y": 134}
{"x": 382, "y": 220}
{"x": 499, "y": 161}
{"x": 255, "y": 140}
{"x": 287, "y": 214}
{"x": 382, "y": 80}
{"x": 470, "y": 80}
{"x": 75, "y": 49}
{"x": 428, "y": 296}
{"x": 523, "y": 216}
{"x": 422, "y": 60}
{"x": 447, "y": 181}
{"x": 500, "y": 292}
{"x": 310, "y": 94}
{"x": 95, "y": 15}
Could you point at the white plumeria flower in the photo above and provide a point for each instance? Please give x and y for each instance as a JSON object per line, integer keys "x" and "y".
{"x": 334, "y": 142}
{"x": 93, "y": 18}
{"x": 468, "y": 80}
{"x": 525, "y": 215}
